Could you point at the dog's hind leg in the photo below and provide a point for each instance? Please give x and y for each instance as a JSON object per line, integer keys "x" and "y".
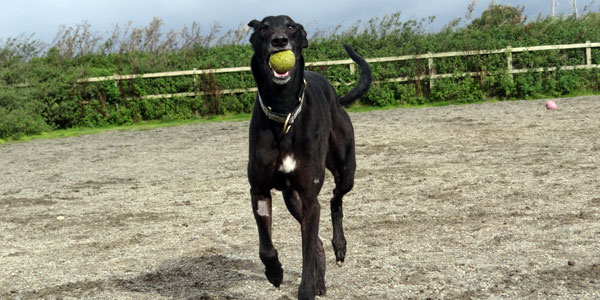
{"x": 343, "y": 168}
{"x": 343, "y": 186}
{"x": 261, "y": 207}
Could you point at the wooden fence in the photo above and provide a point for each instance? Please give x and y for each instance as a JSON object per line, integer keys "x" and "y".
{"x": 431, "y": 75}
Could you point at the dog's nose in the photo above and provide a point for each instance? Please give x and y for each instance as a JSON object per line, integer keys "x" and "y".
{"x": 279, "y": 41}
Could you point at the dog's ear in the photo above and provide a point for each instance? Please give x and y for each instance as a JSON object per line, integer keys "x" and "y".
{"x": 254, "y": 23}
{"x": 303, "y": 39}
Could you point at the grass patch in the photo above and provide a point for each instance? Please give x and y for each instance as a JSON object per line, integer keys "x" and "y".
{"x": 146, "y": 125}
{"x": 582, "y": 93}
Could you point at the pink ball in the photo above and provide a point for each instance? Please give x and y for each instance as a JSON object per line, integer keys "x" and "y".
{"x": 551, "y": 105}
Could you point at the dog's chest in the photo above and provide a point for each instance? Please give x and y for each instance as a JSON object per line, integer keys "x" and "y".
{"x": 287, "y": 161}
{"x": 287, "y": 171}
{"x": 287, "y": 164}
{"x": 284, "y": 160}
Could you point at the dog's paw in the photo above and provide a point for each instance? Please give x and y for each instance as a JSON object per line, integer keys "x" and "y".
{"x": 274, "y": 275}
{"x": 339, "y": 248}
{"x": 321, "y": 292}
{"x": 320, "y": 288}
{"x": 273, "y": 269}
{"x": 274, "y": 272}
{"x": 304, "y": 295}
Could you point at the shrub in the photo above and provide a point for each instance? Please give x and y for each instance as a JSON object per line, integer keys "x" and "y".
{"x": 456, "y": 90}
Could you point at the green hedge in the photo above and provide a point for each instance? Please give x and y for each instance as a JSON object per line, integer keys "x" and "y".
{"x": 40, "y": 92}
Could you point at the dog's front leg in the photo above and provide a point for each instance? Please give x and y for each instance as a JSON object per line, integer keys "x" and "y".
{"x": 313, "y": 256}
{"x": 261, "y": 207}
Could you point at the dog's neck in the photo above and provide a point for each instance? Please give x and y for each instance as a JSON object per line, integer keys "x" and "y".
{"x": 282, "y": 99}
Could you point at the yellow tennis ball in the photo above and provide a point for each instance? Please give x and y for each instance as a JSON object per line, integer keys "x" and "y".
{"x": 282, "y": 61}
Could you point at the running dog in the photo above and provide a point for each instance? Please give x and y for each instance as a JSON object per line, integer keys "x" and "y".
{"x": 298, "y": 129}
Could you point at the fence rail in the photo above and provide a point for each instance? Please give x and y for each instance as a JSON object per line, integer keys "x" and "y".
{"x": 429, "y": 56}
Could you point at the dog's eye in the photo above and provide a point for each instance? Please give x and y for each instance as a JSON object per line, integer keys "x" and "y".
{"x": 263, "y": 29}
{"x": 291, "y": 27}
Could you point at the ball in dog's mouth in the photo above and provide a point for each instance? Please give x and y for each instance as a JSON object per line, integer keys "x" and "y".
{"x": 281, "y": 63}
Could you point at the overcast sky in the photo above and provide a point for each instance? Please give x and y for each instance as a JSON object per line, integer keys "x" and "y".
{"x": 44, "y": 17}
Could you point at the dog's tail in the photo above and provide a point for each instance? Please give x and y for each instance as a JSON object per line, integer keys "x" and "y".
{"x": 364, "y": 82}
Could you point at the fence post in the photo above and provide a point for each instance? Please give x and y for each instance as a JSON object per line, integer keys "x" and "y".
{"x": 588, "y": 54}
{"x": 195, "y": 82}
{"x": 431, "y": 69}
{"x": 352, "y": 69}
{"x": 509, "y": 61}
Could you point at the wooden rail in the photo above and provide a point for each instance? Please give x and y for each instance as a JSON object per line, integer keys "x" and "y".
{"x": 508, "y": 51}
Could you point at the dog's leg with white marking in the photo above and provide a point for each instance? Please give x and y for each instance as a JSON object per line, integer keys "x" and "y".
{"x": 261, "y": 207}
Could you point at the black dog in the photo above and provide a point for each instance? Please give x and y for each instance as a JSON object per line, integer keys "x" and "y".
{"x": 298, "y": 129}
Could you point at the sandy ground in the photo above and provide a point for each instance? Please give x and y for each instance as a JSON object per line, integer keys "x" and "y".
{"x": 487, "y": 201}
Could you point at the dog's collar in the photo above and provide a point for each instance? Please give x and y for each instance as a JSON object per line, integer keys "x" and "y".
{"x": 286, "y": 120}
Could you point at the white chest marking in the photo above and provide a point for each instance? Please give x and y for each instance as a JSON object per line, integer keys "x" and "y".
{"x": 288, "y": 164}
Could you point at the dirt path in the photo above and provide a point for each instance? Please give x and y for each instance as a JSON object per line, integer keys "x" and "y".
{"x": 461, "y": 202}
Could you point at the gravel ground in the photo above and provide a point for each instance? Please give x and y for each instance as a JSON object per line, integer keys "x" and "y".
{"x": 486, "y": 201}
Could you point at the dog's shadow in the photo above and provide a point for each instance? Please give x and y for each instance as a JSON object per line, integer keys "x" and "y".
{"x": 206, "y": 277}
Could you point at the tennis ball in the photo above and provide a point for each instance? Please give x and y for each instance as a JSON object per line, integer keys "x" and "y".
{"x": 282, "y": 61}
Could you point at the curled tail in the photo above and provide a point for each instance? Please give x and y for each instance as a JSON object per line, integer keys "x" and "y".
{"x": 364, "y": 82}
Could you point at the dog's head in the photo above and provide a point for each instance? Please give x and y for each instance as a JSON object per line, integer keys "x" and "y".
{"x": 274, "y": 34}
